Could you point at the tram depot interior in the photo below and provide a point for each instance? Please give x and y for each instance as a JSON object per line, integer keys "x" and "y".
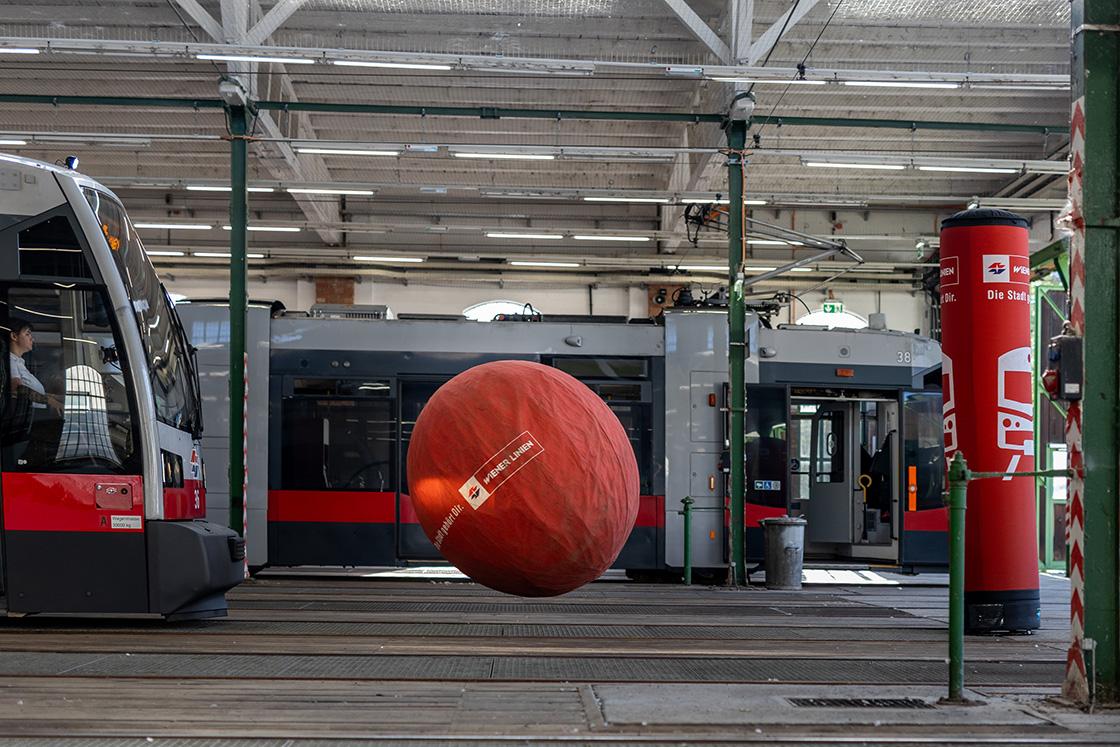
{"x": 431, "y": 185}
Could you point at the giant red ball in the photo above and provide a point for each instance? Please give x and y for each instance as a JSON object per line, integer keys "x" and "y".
{"x": 523, "y": 478}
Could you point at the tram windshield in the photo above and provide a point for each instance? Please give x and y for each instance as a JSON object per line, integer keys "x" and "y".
{"x": 169, "y": 357}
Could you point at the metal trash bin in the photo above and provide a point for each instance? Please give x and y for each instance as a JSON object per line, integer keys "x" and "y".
{"x": 784, "y": 539}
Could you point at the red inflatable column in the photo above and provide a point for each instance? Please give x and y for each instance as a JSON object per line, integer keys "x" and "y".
{"x": 989, "y": 413}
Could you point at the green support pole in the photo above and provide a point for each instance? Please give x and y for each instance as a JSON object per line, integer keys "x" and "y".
{"x": 1096, "y": 91}
{"x": 238, "y": 305}
{"x": 958, "y": 491}
{"x": 736, "y": 313}
{"x": 687, "y": 511}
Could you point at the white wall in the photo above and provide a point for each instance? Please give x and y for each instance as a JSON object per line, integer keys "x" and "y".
{"x": 905, "y": 311}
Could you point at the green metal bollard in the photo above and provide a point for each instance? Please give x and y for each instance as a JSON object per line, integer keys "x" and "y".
{"x": 958, "y": 490}
{"x": 687, "y": 511}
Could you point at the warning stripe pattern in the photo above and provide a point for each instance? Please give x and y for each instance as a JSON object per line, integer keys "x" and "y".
{"x": 245, "y": 461}
{"x": 1076, "y": 685}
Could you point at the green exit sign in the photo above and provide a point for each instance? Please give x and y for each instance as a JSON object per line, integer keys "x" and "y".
{"x": 833, "y": 307}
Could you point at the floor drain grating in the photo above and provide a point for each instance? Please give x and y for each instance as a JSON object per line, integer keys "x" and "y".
{"x": 859, "y": 703}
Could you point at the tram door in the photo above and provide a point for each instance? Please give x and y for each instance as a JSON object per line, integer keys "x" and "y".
{"x": 412, "y": 542}
{"x": 831, "y": 479}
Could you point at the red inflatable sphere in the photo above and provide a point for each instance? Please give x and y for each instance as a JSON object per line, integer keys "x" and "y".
{"x": 523, "y": 478}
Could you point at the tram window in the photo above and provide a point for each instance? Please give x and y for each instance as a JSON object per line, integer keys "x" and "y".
{"x": 830, "y": 447}
{"x": 603, "y": 368}
{"x": 337, "y": 443}
{"x": 414, "y": 395}
{"x": 924, "y": 446}
{"x": 619, "y": 392}
{"x": 50, "y": 248}
{"x": 70, "y": 412}
{"x": 168, "y": 361}
{"x": 636, "y": 419}
{"x": 342, "y": 387}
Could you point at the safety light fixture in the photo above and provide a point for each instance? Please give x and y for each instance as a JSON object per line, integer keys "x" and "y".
{"x": 329, "y": 191}
{"x": 225, "y": 255}
{"x": 348, "y": 152}
{"x": 220, "y": 188}
{"x": 389, "y": 260}
{"x": 535, "y": 263}
{"x": 900, "y": 84}
{"x": 497, "y": 235}
{"x": 273, "y": 229}
{"x": 841, "y": 165}
{"x": 255, "y": 58}
{"x": 768, "y": 82}
{"x": 6, "y": 141}
{"x": 660, "y": 200}
{"x": 610, "y": 238}
{"x": 175, "y": 226}
{"x": 504, "y": 156}
{"x": 969, "y": 169}
{"x": 390, "y": 65}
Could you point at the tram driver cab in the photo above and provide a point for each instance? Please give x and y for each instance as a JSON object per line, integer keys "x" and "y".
{"x": 100, "y": 485}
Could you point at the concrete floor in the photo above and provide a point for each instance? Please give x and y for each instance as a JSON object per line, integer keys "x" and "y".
{"x": 307, "y": 661}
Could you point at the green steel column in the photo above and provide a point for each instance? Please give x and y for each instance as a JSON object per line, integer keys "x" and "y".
{"x": 958, "y": 492}
{"x": 736, "y": 315}
{"x": 238, "y": 303}
{"x": 1096, "y": 62}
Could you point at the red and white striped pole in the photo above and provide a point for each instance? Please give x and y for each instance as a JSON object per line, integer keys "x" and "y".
{"x": 245, "y": 463}
{"x": 1076, "y": 686}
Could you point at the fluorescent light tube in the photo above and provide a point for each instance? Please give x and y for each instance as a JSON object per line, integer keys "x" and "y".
{"x": 801, "y": 269}
{"x": 506, "y": 156}
{"x": 219, "y": 188}
{"x": 611, "y": 238}
{"x": 772, "y": 82}
{"x": 274, "y": 229}
{"x": 157, "y": 253}
{"x": 754, "y": 202}
{"x": 226, "y": 255}
{"x": 348, "y": 152}
{"x": 703, "y": 201}
{"x": 534, "y": 263}
{"x": 969, "y": 169}
{"x": 1018, "y": 88}
{"x": 329, "y": 191}
{"x": 390, "y": 65}
{"x": 767, "y": 242}
{"x": 525, "y": 235}
{"x": 761, "y": 269}
{"x": 13, "y": 142}
{"x": 702, "y": 268}
{"x": 389, "y": 259}
{"x": 877, "y": 166}
{"x": 19, "y": 50}
{"x": 254, "y": 58}
{"x": 661, "y": 200}
{"x": 176, "y": 226}
{"x": 899, "y": 84}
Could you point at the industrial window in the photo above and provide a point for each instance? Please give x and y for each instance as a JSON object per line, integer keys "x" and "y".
{"x": 487, "y": 310}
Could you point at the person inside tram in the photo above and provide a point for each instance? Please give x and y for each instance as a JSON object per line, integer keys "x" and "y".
{"x": 31, "y": 418}
{"x": 24, "y": 383}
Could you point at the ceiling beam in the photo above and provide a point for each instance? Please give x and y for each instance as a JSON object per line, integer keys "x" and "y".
{"x": 742, "y": 29}
{"x": 701, "y": 30}
{"x": 199, "y": 15}
{"x": 277, "y": 15}
{"x": 771, "y": 36}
